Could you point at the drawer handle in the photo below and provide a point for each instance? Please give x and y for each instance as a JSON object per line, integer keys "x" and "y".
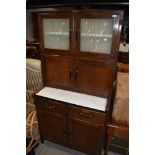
{"x": 52, "y": 107}
{"x": 64, "y": 133}
{"x": 85, "y": 115}
{"x": 76, "y": 74}
{"x": 71, "y": 74}
{"x": 69, "y": 133}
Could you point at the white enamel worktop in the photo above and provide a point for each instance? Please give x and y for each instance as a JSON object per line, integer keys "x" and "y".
{"x": 84, "y": 100}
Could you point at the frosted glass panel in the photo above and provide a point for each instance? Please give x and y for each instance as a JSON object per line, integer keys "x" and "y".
{"x": 56, "y": 33}
{"x": 96, "y": 35}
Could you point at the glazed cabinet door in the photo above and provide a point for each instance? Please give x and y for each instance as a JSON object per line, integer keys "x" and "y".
{"x": 57, "y": 71}
{"x": 96, "y": 33}
{"x": 95, "y": 78}
{"x": 55, "y": 32}
{"x": 52, "y": 126}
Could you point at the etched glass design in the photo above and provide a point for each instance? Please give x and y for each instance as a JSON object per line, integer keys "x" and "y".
{"x": 96, "y": 35}
{"x": 56, "y": 33}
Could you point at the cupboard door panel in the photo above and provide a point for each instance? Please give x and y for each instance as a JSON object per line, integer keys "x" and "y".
{"x": 52, "y": 126}
{"x": 97, "y": 32}
{"x": 95, "y": 78}
{"x": 96, "y": 35}
{"x": 85, "y": 137}
{"x": 57, "y": 71}
{"x": 55, "y": 32}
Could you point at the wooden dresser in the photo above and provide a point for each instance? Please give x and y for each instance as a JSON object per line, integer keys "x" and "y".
{"x": 79, "y": 62}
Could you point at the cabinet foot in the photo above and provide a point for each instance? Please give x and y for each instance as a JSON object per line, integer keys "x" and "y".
{"x": 41, "y": 139}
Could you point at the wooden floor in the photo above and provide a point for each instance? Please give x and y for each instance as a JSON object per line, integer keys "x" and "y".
{"x": 48, "y": 148}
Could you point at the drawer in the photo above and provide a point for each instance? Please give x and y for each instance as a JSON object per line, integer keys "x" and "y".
{"x": 50, "y": 105}
{"x": 90, "y": 116}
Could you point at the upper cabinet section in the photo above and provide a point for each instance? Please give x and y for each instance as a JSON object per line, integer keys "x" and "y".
{"x": 87, "y": 34}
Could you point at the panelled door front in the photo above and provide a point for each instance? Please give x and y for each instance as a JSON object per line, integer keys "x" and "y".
{"x": 58, "y": 71}
{"x": 52, "y": 126}
{"x": 85, "y": 136}
{"x": 95, "y": 78}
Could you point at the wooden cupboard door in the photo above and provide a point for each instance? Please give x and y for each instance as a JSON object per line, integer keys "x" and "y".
{"x": 52, "y": 126}
{"x": 85, "y": 136}
{"x": 56, "y": 32}
{"x": 97, "y": 33}
{"x": 57, "y": 71}
{"x": 95, "y": 78}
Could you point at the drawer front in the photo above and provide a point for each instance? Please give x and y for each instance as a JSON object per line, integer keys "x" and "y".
{"x": 90, "y": 116}
{"x": 49, "y": 105}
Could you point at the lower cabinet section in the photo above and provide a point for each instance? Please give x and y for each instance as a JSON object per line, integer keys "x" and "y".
{"x": 76, "y": 127}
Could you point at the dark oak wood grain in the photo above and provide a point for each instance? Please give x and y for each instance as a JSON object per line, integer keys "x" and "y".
{"x": 86, "y": 137}
{"x": 51, "y": 125}
{"x": 95, "y": 78}
{"x": 57, "y": 71}
{"x": 86, "y": 115}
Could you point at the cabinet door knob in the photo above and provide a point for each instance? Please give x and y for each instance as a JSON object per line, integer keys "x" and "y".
{"x": 69, "y": 133}
{"x": 52, "y": 107}
{"x": 71, "y": 74}
{"x": 76, "y": 74}
{"x": 64, "y": 133}
{"x": 78, "y": 35}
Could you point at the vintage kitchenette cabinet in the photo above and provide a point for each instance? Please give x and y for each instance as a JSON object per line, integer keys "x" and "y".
{"x": 79, "y": 55}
